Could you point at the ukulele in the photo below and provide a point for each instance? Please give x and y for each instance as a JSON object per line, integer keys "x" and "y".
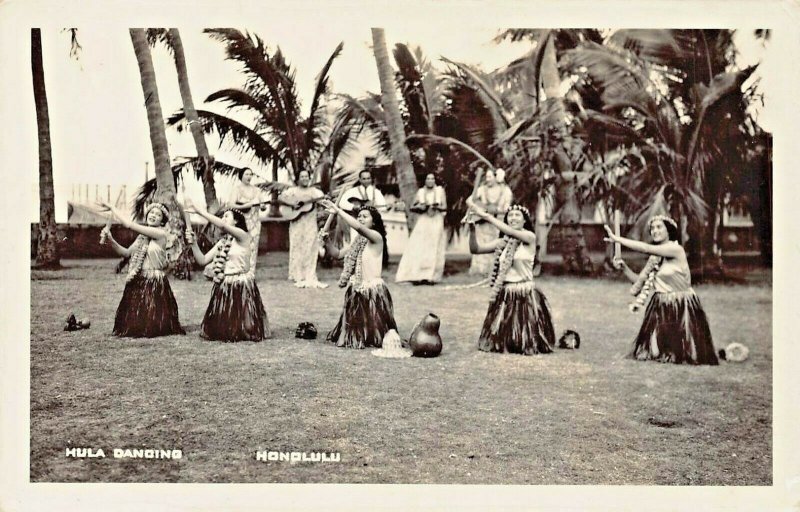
{"x": 356, "y": 203}
{"x": 423, "y": 208}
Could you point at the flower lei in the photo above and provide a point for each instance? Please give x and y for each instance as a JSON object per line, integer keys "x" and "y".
{"x": 139, "y": 250}
{"x": 352, "y": 262}
{"x": 218, "y": 265}
{"x": 645, "y": 284}
{"x": 502, "y": 264}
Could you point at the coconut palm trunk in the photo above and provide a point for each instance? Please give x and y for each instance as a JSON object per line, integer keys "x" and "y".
{"x": 165, "y": 193}
{"x": 209, "y": 190}
{"x": 573, "y": 247}
{"x": 401, "y": 157}
{"x": 47, "y": 246}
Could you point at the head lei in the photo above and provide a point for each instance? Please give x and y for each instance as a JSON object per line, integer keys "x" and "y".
{"x": 664, "y": 219}
{"x": 164, "y": 211}
{"x": 520, "y": 208}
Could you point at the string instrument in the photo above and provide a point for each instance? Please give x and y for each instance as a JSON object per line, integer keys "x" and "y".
{"x": 424, "y": 208}
{"x": 356, "y": 203}
{"x": 292, "y": 212}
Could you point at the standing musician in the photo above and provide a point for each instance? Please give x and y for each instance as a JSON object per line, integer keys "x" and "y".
{"x": 363, "y": 194}
{"x": 423, "y": 260}
{"x": 303, "y": 231}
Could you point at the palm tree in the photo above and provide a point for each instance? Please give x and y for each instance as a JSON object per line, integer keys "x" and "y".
{"x": 551, "y": 163}
{"x": 448, "y": 129}
{"x": 668, "y": 101}
{"x": 165, "y": 185}
{"x": 171, "y": 39}
{"x": 401, "y": 158}
{"x": 276, "y": 134}
{"x": 47, "y": 256}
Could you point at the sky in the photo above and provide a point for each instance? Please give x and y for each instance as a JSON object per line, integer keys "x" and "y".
{"x": 98, "y": 121}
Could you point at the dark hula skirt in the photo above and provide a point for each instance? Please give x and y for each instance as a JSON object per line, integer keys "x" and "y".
{"x": 518, "y": 321}
{"x": 235, "y": 311}
{"x": 148, "y": 308}
{"x": 675, "y": 330}
{"x": 368, "y": 314}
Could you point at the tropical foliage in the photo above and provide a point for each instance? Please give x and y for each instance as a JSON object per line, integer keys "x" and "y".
{"x": 651, "y": 119}
{"x": 265, "y": 120}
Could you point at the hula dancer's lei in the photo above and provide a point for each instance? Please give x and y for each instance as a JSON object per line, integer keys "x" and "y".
{"x": 139, "y": 249}
{"x": 221, "y": 258}
{"x": 645, "y": 285}
{"x": 139, "y": 246}
{"x": 352, "y": 262}
{"x": 502, "y": 264}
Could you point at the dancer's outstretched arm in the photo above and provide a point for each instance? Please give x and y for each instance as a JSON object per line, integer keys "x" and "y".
{"x": 665, "y": 250}
{"x": 527, "y": 237}
{"x": 241, "y": 236}
{"x": 371, "y": 235}
{"x": 620, "y": 264}
{"x": 150, "y": 231}
{"x": 476, "y": 247}
{"x": 119, "y": 249}
{"x": 199, "y": 257}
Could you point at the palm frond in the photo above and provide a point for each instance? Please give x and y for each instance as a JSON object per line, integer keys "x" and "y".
{"x": 238, "y": 98}
{"x": 469, "y": 118}
{"x": 271, "y": 76}
{"x": 518, "y": 34}
{"x": 156, "y": 36}
{"x": 484, "y": 87}
{"x": 240, "y": 137}
{"x": 654, "y": 45}
{"x": 320, "y": 89}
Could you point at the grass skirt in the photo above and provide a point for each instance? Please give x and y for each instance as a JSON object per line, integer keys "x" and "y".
{"x": 518, "y": 321}
{"x": 148, "y": 308}
{"x": 235, "y": 311}
{"x": 675, "y": 330}
{"x": 368, "y": 314}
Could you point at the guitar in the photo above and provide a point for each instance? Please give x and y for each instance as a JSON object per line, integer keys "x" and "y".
{"x": 299, "y": 209}
{"x": 291, "y": 213}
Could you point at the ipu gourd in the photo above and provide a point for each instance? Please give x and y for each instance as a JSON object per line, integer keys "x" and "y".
{"x": 425, "y": 340}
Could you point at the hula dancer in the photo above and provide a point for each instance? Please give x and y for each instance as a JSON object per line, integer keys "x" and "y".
{"x": 518, "y": 320}
{"x": 675, "y": 328}
{"x": 235, "y": 311}
{"x": 148, "y": 307}
{"x": 368, "y": 313}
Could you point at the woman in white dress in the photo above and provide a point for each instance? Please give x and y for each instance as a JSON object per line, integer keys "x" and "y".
{"x": 303, "y": 229}
{"x": 423, "y": 259}
{"x": 494, "y": 198}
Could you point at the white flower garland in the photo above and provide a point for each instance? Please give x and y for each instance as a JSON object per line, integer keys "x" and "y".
{"x": 221, "y": 258}
{"x": 502, "y": 264}
{"x": 352, "y": 262}
{"x": 139, "y": 252}
{"x": 645, "y": 285}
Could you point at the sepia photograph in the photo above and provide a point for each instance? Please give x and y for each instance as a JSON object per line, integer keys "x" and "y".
{"x": 484, "y": 258}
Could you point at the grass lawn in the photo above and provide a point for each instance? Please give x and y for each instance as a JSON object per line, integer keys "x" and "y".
{"x": 572, "y": 417}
